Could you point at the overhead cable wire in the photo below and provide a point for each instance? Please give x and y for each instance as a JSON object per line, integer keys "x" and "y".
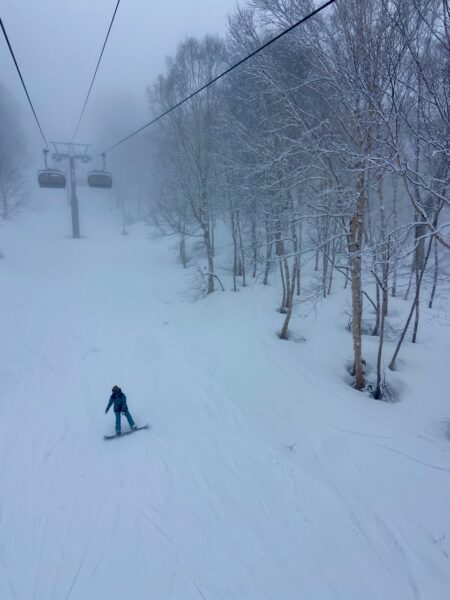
{"x": 95, "y": 72}
{"x": 226, "y": 72}
{"x": 23, "y": 82}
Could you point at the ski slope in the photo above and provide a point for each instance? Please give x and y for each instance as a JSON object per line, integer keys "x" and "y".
{"x": 264, "y": 476}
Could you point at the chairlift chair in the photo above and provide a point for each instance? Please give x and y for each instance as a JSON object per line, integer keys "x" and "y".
{"x": 100, "y": 178}
{"x": 51, "y": 178}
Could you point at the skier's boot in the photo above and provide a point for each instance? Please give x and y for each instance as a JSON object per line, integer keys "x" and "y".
{"x": 134, "y": 427}
{"x": 119, "y": 433}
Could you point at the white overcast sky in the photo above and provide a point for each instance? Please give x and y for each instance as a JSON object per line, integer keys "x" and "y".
{"x": 57, "y": 44}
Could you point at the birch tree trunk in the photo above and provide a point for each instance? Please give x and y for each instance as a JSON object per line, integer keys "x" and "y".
{"x": 355, "y": 250}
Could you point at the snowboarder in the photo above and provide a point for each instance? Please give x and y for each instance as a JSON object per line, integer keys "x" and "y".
{"x": 119, "y": 400}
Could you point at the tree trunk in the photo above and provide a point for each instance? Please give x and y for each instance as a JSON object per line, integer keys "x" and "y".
{"x": 377, "y": 310}
{"x": 330, "y": 281}
{"x": 356, "y": 239}
{"x": 182, "y": 250}
{"x": 213, "y": 242}
{"x": 210, "y": 256}
{"x": 409, "y": 282}
{"x": 287, "y": 282}
{"x": 316, "y": 264}
{"x": 394, "y": 200}
{"x": 419, "y": 265}
{"x": 241, "y": 249}
{"x": 386, "y": 269}
{"x": 435, "y": 275}
{"x": 283, "y": 299}
{"x": 417, "y": 305}
{"x": 324, "y": 270}
{"x": 298, "y": 262}
{"x": 284, "y": 330}
{"x": 269, "y": 246}
{"x": 233, "y": 233}
{"x": 254, "y": 244}
{"x": 411, "y": 312}
{"x": 378, "y": 391}
{"x": 385, "y": 243}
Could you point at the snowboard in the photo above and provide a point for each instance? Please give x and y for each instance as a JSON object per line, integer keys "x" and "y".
{"x": 110, "y": 437}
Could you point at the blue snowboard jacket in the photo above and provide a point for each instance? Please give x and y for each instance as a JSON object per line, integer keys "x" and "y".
{"x": 120, "y": 402}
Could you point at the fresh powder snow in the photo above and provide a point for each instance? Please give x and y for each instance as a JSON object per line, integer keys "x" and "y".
{"x": 264, "y": 475}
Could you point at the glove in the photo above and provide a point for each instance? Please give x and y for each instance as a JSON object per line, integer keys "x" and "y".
{"x": 106, "y": 411}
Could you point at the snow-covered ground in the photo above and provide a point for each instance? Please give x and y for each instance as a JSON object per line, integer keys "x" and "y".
{"x": 264, "y": 476}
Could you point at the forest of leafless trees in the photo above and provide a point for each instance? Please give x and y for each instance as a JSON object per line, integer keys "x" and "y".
{"x": 12, "y": 157}
{"x": 330, "y": 148}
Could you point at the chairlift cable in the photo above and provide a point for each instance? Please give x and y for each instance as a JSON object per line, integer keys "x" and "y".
{"x": 23, "y": 82}
{"x": 95, "y": 72}
{"x": 223, "y": 74}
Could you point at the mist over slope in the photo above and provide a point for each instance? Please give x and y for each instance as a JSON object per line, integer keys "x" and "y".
{"x": 264, "y": 475}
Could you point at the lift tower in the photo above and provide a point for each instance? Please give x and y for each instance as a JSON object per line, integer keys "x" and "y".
{"x": 72, "y": 151}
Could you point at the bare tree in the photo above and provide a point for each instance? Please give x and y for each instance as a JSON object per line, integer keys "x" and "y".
{"x": 189, "y": 146}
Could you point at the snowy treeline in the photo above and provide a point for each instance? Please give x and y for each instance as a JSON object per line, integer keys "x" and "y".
{"x": 332, "y": 145}
{"x": 12, "y": 157}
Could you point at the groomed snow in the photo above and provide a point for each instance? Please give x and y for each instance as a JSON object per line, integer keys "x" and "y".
{"x": 264, "y": 476}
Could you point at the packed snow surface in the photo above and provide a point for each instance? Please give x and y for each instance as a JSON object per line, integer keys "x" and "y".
{"x": 264, "y": 476}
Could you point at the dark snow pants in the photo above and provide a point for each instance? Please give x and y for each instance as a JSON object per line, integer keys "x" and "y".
{"x": 126, "y": 412}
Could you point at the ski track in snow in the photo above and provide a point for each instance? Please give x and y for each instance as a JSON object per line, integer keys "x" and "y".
{"x": 260, "y": 478}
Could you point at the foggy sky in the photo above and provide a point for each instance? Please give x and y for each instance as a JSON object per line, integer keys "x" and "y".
{"x": 57, "y": 44}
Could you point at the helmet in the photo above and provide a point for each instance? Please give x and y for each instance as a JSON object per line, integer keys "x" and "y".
{"x": 116, "y": 388}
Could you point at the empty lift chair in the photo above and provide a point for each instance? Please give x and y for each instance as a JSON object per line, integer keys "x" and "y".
{"x": 101, "y": 178}
{"x": 51, "y": 178}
